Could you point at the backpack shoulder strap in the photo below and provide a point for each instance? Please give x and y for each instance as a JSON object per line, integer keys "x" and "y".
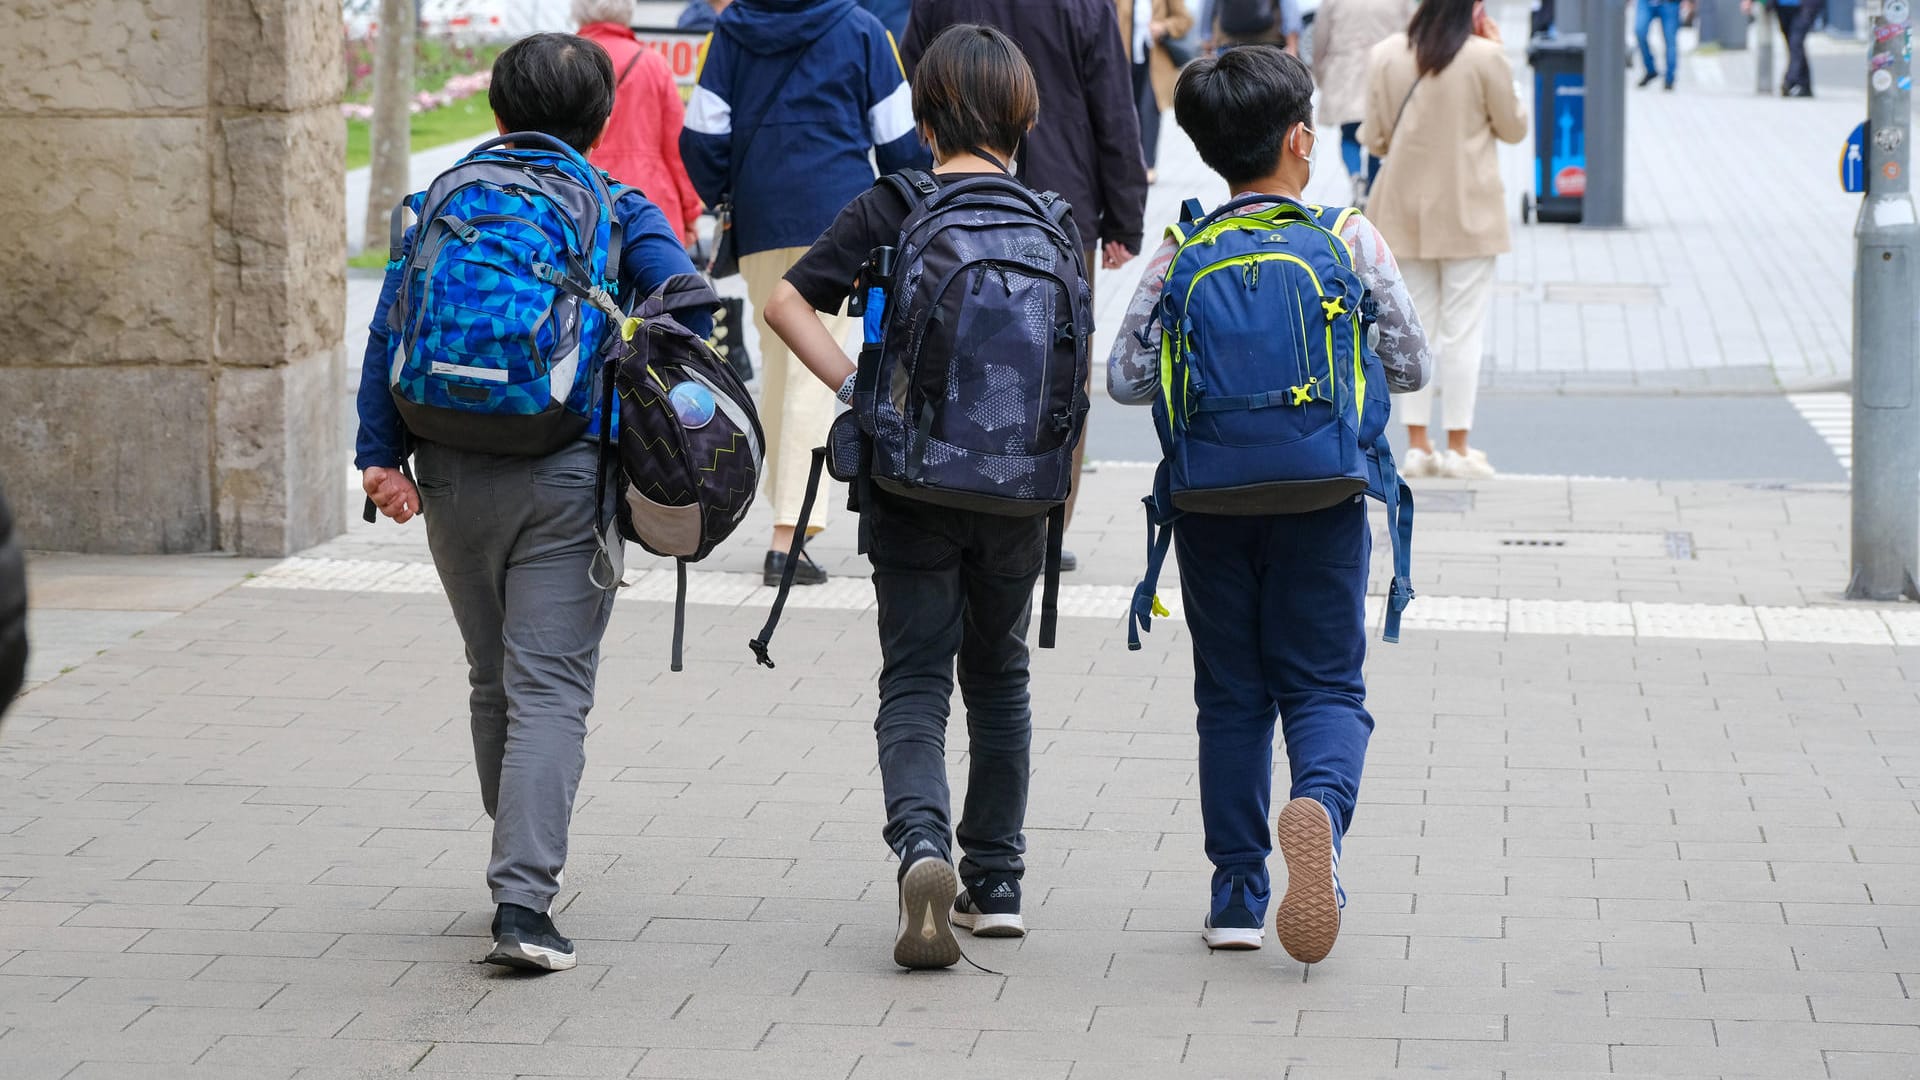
{"x": 914, "y": 185}
{"x": 1334, "y": 219}
{"x": 616, "y": 228}
{"x": 1387, "y": 486}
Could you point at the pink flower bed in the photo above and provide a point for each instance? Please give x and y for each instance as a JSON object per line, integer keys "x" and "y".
{"x": 458, "y": 88}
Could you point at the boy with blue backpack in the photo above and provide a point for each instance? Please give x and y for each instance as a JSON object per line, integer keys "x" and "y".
{"x": 482, "y": 366}
{"x": 1266, "y": 336}
{"x": 966, "y": 405}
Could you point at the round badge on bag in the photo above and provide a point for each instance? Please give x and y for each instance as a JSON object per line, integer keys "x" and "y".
{"x": 692, "y": 405}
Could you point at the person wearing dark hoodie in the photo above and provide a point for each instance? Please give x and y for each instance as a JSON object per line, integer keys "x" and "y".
{"x": 1087, "y": 144}
{"x": 793, "y": 97}
{"x": 891, "y": 13}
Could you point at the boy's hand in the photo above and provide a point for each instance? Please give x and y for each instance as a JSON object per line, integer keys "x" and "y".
{"x": 1115, "y": 255}
{"x": 392, "y": 492}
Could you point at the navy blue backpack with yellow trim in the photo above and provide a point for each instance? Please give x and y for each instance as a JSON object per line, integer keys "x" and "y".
{"x": 1272, "y": 399}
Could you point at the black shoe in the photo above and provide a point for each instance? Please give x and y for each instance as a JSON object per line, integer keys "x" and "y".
{"x": 990, "y": 906}
{"x": 928, "y": 886}
{"x": 1069, "y": 562}
{"x": 526, "y": 939}
{"x": 1800, "y": 91}
{"x": 1649, "y": 77}
{"x": 1668, "y": 88}
{"x": 807, "y": 573}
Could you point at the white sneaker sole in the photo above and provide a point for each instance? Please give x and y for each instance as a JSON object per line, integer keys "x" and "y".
{"x": 513, "y": 953}
{"x": 926, "y": 904}
{"x": 984, "y": 925}
{"x": 1233, "y": 938}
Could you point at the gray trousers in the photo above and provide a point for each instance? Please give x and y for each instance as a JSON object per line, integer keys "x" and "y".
{"x": 512, "y": 538}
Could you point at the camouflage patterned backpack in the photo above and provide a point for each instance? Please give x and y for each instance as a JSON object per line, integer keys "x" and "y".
{"x": 972, "y": 388}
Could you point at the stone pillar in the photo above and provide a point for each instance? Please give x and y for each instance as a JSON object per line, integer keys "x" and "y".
{"x": 171, "y": 375}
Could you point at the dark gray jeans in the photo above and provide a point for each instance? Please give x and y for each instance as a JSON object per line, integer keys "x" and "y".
{"x": 955, "y": 584}
{"x": 512, "y": 538}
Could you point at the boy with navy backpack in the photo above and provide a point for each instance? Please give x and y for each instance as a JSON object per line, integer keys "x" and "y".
{"x": 482, "y": 366}
{"x": 967, "y": 403}
{"x": 1266, "y": 336}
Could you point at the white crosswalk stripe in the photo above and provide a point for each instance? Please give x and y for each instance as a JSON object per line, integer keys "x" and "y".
{"x": 1478, "y": 614}
{"x": 1830, "y": 414}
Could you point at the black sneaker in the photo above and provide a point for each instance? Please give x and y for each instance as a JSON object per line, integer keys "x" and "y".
{"x": 990, "y": 907}
{"x": 1648, "y": 77}
{"x": 1069, "y": 562}
{"x": 807, "y": 573}
{"x": 526, "y": 939}
{"x": 928, "y": 885}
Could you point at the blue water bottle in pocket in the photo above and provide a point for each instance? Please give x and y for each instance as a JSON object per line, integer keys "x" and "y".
{"x": 876, "y": 281}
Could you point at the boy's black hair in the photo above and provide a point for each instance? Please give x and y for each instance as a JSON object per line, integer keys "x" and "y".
{"x": 973, "y": 90}
{"x": 1238, "y": 107}
{"x": 558, "y": 84}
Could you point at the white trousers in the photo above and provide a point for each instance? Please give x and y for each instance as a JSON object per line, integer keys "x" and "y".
{"x": 1451, "y": 296}
{"x": 795, "y": 408}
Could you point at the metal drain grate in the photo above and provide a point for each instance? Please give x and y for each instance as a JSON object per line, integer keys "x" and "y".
{"x": 1600, "y": 545}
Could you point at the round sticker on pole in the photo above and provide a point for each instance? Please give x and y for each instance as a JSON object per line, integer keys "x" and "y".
{"x": 1882, "y": 81}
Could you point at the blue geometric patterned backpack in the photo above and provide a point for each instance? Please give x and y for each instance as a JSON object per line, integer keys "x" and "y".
{"x": 503, "y": 306}
{"x": 1272, "y": 398}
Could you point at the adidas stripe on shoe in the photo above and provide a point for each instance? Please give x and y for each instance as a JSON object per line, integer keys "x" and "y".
{"x": 927, "y": 891}
{"x": 990, "y": 907}
{"x": 1308, "y": 920}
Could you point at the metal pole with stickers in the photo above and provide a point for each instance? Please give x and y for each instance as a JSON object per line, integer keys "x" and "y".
{"x": 1886, "y": 321}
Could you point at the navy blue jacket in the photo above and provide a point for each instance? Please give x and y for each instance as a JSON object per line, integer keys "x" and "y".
{"x": 892, "y": 14}
{"x": 847, "y": 95}
{"x": 651, "y": 254}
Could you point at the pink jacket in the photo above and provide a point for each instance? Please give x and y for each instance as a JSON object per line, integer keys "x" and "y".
{"x": 642, "y": 145}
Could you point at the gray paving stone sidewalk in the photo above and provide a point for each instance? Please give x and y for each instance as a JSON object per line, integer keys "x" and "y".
{"x": 246, "y": 843}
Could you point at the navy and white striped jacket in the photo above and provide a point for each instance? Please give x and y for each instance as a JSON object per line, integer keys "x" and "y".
{"x": 847, "y": 96}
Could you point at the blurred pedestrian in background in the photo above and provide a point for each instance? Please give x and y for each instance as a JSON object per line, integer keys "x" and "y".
{"x": 13, "y": 610}
{"x": 1439, "y": 99}
{"x": 891, "y": 13}
{"x": 1344, "y": 34}
{"x": 1667, "y": 13}
{"x": 702, "y": 14}
{"x": 1796, "y": 19}
{"x": 640, "y": 146}
{"x": 1151, "y": 25}
{"x": 1086, "y": 147}
{"x": 794, "y": 97}
{"x": 1254, "y": 22}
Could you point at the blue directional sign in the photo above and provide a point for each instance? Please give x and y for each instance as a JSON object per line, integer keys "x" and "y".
{"x": 1853, "y": 162}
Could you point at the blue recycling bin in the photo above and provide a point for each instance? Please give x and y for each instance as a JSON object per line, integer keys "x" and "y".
{"x": 1559, "y": 129}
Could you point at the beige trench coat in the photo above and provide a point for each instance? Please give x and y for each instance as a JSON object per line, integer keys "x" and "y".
{"x": 1439, "y": 195}
{"x": 1174, "y": 13}
{"x": 1344, "y": 34}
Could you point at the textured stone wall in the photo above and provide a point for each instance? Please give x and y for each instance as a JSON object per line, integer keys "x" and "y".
{"x": 171, "y": 372}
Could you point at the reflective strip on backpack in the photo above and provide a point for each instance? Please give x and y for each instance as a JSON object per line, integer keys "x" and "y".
{"x": 466, "y": 371}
